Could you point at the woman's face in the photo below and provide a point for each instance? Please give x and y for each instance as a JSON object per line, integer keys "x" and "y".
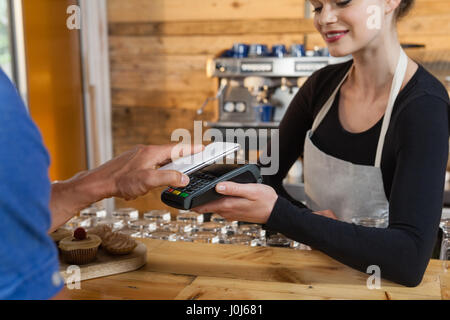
{"x": 348, "y": 26}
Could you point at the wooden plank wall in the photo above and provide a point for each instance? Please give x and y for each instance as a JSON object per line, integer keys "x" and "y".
{"x": 159, "y": 48}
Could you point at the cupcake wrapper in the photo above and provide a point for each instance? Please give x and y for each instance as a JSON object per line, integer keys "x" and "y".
{"x": 79, "y": 256}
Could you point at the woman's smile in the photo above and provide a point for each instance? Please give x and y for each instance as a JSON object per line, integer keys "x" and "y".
{"x": 333, "y": 36}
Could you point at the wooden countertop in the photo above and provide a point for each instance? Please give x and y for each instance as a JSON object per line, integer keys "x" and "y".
{"x": 181, "y": 270}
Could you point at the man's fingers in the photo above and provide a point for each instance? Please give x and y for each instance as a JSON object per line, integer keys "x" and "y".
{"x": 180, "y": 150}
{"x": 161, "y": 178}
{"x": 163, "y": 154}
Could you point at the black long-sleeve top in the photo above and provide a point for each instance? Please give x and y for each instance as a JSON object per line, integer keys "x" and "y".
{"x": 413, "y": 168}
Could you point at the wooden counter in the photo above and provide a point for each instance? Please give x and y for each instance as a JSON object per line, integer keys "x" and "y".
{"x": 179, "y": 270}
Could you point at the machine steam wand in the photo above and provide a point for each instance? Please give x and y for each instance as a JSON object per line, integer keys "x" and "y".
{"x": 223, "y": 85}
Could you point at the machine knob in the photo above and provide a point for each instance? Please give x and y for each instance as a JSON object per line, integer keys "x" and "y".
{"x": 229, "y": 107}
{"x": 240, "y": 107}
{"x": 221, "y": 67}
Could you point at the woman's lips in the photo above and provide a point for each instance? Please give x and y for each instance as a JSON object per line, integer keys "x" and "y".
{"x": 334, "y": 36}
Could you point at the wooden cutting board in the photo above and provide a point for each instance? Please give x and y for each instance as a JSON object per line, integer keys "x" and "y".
{"x": 106, "y": 264}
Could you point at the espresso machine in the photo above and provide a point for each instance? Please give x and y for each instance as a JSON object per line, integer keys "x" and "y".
{"x": 251, "y": 78}
{"x": 256, "y": 86}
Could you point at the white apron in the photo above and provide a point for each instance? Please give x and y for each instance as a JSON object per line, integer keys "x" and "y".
{"x": 355, "y": 193}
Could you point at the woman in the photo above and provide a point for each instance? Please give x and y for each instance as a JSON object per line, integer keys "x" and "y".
{"x": 373, "y": 133}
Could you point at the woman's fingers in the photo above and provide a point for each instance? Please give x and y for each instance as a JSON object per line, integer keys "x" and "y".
{"x": 248, "y": 190}
{"x": 224, "y": 206}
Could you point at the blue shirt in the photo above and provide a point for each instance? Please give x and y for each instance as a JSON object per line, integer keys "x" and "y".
{"x": 28, "y": 256}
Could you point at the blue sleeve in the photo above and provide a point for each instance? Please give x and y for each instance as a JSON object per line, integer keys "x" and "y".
{"x": 29, "y": 267}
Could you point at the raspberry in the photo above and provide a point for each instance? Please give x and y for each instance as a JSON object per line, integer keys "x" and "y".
{"x": 79, "y": 234}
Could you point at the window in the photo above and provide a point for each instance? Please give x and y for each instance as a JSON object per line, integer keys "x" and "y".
{"x": 6, "y": 61}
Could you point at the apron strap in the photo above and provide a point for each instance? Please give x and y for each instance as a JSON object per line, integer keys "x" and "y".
{"x": 397, "y": 82}
{"x": 326, "y": 107}
{"x": 399, "y": 76}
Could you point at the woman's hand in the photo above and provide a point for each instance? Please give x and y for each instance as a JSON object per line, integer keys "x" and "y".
{"x": 245, "y": 202}
{"x": 327, "y": 213}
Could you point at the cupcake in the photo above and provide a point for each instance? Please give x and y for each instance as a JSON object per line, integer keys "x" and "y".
{"x": 118, "y": 243}
{"x": 60, "y": 234}
{"x": 80, "y": 248}
{"x": 114, "y": 242}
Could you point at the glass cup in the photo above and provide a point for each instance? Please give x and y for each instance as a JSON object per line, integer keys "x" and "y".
{"x": 218, "y": 218}
{"x": 298, "y": 50}
{"x": 214, "y": 227}
{"x": 205, "y": 237}
{"x": 278, "y": 240}
{"x": 370, "y": 222}
{"x": 254, "y": 230}
{"x": 445, "y": 245}
{"x": 126, "y": 213}
{"x": 243, "y": 239}
{"x": 176, "y": 227}
{"x": 93, "y": 212}
{"x": 142, "y": 225}
{"x": 159, "y": 216}
{"x": 191, "y": 217}
{"x": 78, "y": 222}
{"x": 279, "y": 50}
{"x": 161, "y": 235}
{"x": 258, "y": 50}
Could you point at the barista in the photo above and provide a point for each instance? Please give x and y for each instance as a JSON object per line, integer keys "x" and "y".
{"x": 373, "y": 133}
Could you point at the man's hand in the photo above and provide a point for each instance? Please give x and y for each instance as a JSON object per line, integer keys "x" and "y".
{"x": 128, "y": 176}
{"x": 135, "y": 172}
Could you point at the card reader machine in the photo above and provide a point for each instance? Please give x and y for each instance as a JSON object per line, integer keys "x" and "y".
{"x": 201, "y": 188}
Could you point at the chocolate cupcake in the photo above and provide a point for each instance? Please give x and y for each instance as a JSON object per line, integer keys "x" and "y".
{"x": 81, "y": 248}
{"x": 115, "y": 243}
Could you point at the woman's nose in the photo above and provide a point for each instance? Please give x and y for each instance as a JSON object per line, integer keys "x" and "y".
{"x": 327, "y": 15}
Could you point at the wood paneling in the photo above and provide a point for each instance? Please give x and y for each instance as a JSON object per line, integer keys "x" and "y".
{"x": 159, "y": 49}
{"x": 194, "y": 10}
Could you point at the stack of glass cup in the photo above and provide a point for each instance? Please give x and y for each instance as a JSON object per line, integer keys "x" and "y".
{"x": 445, "y": 245}
{"x": 88, "y": 218}
{"x": 188, "y": 226}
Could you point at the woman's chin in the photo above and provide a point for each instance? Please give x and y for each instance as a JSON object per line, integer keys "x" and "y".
{"x": 338, "y": 52}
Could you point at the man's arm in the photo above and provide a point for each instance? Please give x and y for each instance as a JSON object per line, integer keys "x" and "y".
{"x": 130, "y": 175}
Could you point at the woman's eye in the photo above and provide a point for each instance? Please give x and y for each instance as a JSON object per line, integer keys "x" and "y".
{"x": 343, "y": 3}
{"x": 317, "y": 9}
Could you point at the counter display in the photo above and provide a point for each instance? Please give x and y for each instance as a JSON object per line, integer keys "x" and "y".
{"x": 185, "y": 263}
{"x": 196, "y": 271}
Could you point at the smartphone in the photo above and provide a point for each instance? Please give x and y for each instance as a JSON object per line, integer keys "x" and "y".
{"x": 212, "y": 153}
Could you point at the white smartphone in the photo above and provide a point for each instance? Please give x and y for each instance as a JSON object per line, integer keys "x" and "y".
{"x": 213, "y": 152}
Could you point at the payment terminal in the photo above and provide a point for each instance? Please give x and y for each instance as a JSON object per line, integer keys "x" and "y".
{"x": 201, "y": 188}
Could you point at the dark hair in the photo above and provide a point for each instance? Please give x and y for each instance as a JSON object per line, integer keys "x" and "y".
{"x": 403, "y": 8}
